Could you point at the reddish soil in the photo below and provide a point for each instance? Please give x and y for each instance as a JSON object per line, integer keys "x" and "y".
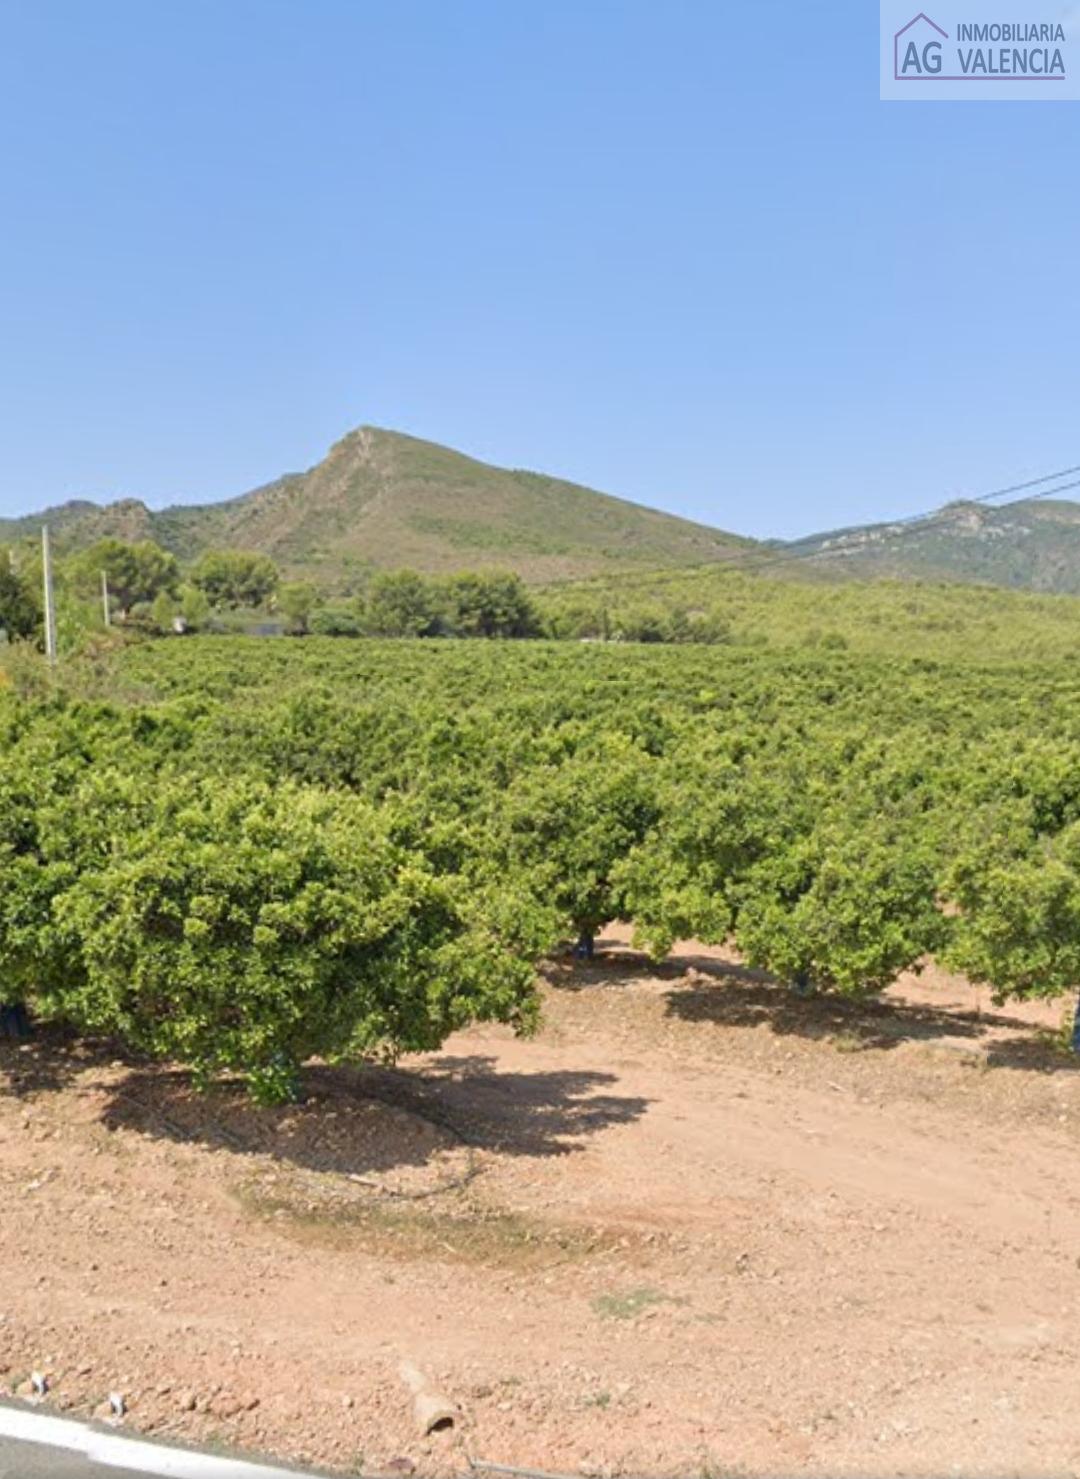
{"x": 697, "y": 1226}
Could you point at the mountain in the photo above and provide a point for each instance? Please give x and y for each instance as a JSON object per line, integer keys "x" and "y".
{"x": 1031, "y": 545}
{"x": 380, "y": 499}
{"x": 80, "y": 522}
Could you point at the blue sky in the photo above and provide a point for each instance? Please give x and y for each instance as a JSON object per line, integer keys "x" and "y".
{"x": 678, "y": 250}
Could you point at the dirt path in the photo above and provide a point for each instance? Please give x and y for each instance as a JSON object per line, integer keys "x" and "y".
{"x": 697, "y": 1226}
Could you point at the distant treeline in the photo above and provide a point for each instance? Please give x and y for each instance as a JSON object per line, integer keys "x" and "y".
{"x": 144, "y": 588}
{"x": 226, "y": 591}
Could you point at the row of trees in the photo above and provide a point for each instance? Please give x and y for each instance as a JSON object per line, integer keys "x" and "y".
{"x": 142, "y": 574}
{"x": 140, "y": 579}
{"x": 404, "y": 603}
{"x": 146, "y": 585}
{"x": 363, "y": 853}
{"x": 148, "y": 588}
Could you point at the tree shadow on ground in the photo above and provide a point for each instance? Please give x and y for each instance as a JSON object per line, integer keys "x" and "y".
{"x": 737, "y": 997}
{"x": 50, "y": 1060}
{"x": 526, "y": 1114}
{"x": 734, "y": 995}
{"x": 368, "y": 1120}
{"x": 613, "y": 965}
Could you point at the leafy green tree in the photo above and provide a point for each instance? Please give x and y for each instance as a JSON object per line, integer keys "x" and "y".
{"x": 709, "y": 626}
{"x": 490, "y": 604}
{"x": 163, "y": 612}
{"x": 719, "y": 817}
{"x": 402, "y": 603}
{"x": 580, "y": 620}
{"x": 567, "y": 826}
{"x": 847, "y": 907}
{"x": 20, "y": 615}
{"x": 234, "y": 578}
{"x": 297, "y": 601}
{"x": 135, "y": 573}
{"x": 640, "y": 624}
{"x": 1017, "y": 921}
{"x": 236, "y": 925}
{"x": 337, "y": 619}
{"x": 194, "y": 607}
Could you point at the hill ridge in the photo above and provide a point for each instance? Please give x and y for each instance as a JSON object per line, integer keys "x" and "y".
{"x": 381, "y": 499}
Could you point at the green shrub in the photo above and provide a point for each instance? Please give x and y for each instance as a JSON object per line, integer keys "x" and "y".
{"x": 237, "y": 926}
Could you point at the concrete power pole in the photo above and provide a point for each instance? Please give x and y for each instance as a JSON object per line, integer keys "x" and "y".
{"x": 105, "y": 596}
{"x": 50, "y": 608}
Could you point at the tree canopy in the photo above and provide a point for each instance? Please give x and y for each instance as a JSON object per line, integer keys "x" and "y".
{"x": 490, "y": 604}
{"x": 234, "y": 578}
{"x": 20, "y": 614}
{"x": 402, "y": 603}
{"x": 243, "y": 853}
{"x": 135, "y": 573}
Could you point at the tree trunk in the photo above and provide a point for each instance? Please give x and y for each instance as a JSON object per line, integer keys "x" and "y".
{"x": 14, "y": 1021}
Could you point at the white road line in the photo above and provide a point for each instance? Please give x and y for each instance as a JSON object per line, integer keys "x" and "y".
{"x": 114, "y": 1451}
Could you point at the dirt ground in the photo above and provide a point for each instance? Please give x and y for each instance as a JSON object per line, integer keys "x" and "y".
{"x": 697, "y": 1226}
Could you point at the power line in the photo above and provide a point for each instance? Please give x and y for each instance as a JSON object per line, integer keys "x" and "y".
{"x": 1050, "y": 477}
{"x": 907, "y": 524}
{"x": 945, "y": 510}
{"x": 914, "y": 524}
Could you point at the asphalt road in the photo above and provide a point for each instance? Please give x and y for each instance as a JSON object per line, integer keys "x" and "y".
{"x": 36, "y": 1461}
{"x": 39, "y": 1445}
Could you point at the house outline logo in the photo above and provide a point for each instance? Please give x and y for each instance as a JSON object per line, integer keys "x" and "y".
{"x": 921, "y": 76}
{"x": 979, "y": 74}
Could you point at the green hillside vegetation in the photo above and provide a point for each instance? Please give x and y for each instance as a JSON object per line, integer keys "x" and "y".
{"x": 381, "y": 500}
{"x": 237, "y": 591}
{"x": 1023, "y": 546}
{"x": 890, "y": 617}
{"x": 80, "y": 523}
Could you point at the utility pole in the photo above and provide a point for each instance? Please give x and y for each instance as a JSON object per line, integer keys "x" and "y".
{"x": 105, "y": 596}
{"x": 50, "y": 609}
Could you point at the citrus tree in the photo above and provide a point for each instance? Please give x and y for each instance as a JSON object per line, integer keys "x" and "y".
{"x": 242, "y": 926}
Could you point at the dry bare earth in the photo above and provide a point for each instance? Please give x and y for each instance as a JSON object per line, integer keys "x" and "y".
{"x": 698, "y": 1226}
